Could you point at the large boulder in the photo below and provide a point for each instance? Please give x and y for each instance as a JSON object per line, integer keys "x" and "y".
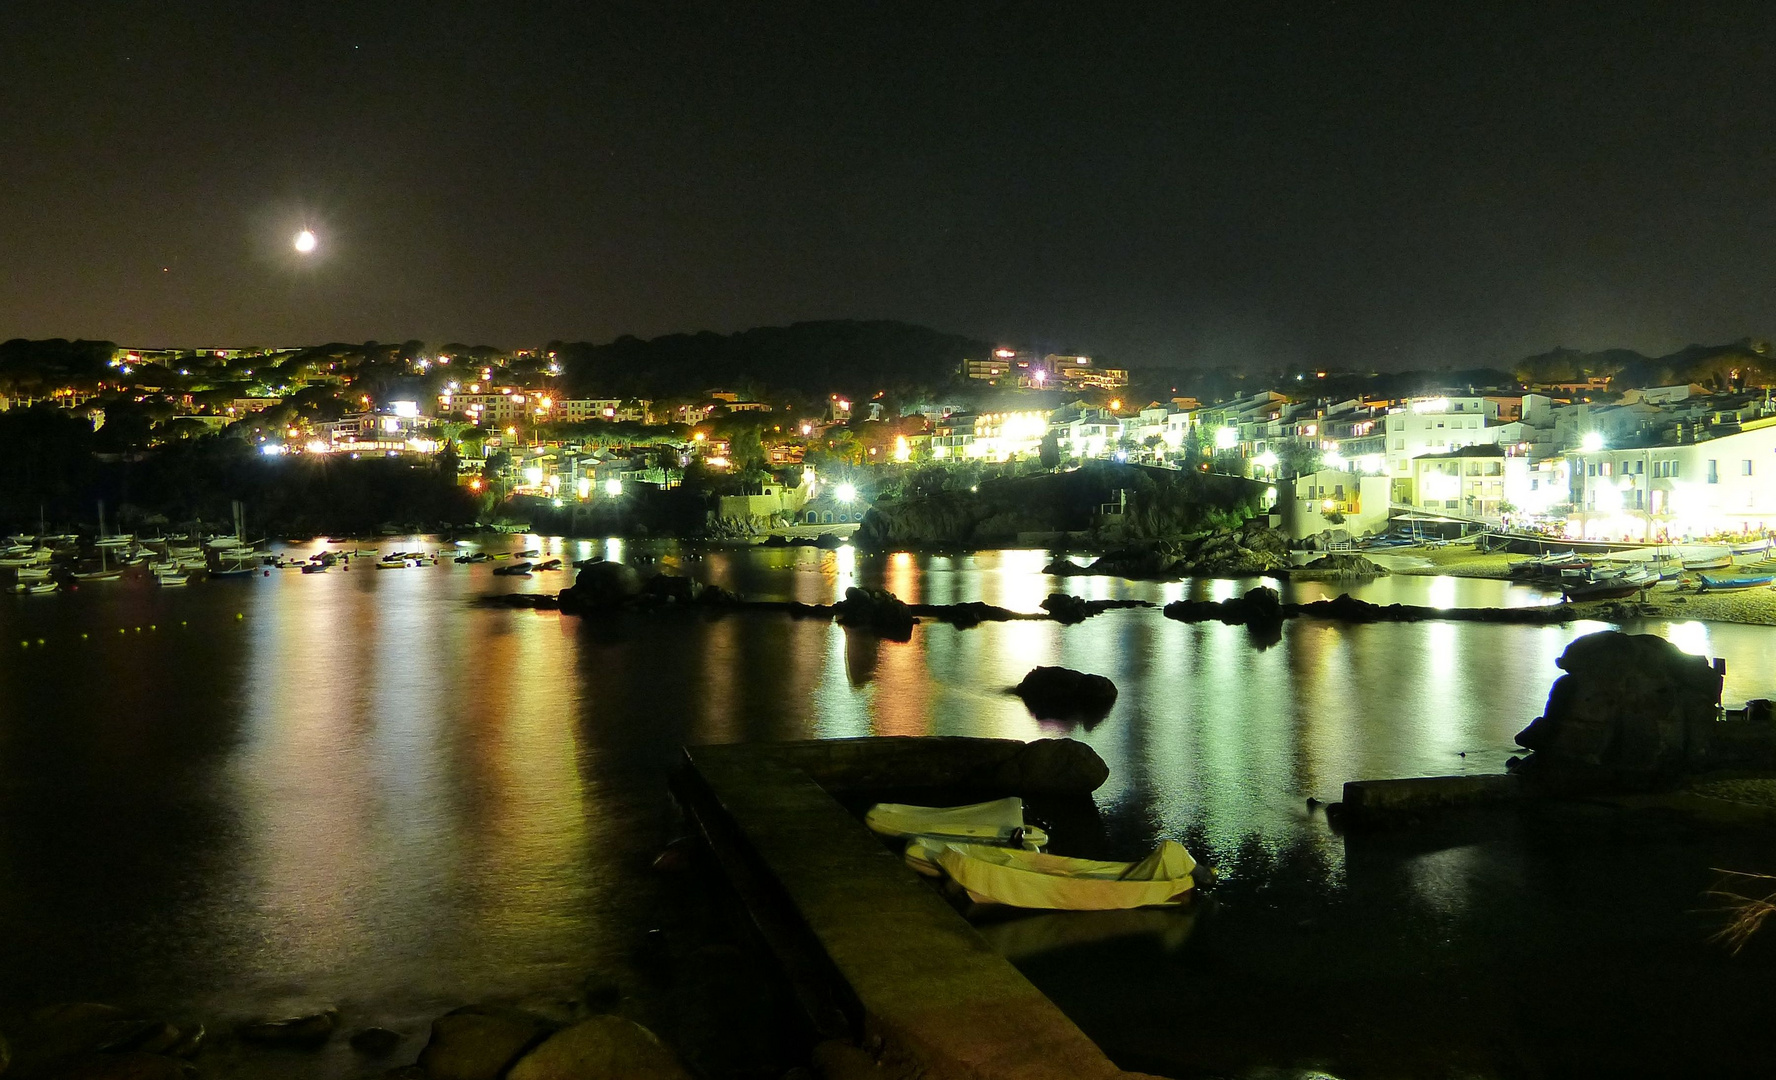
{"x": 877, "y": 610}
{"x": 602, "y": 585}
{"x": 1632, "y": 710}
{"x": 600, "y": 1048}
{"x": 1058, "y": 693}
{"x": 479, "y": 1042}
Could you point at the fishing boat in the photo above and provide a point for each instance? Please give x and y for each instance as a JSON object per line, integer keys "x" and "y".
{"x": 517, "y": 569}
{"x": 1755, "y": 548}
{"x": 1731, "y": 584}
{"x": 315, "y": 568}
{"x": 1605, "y": 589}
{"x": 40, "y": 588}
{"x": 998, "y": 822}
{"x": 1032, "y": 879}
{"x": 1710, "y": 562}
{"x": 33, "y": 573}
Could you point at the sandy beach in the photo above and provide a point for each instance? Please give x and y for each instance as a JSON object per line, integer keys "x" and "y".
{"x": 1667, "y": 600}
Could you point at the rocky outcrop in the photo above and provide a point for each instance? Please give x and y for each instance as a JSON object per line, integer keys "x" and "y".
{"x": 1257, "y": 610}
{"x": 1072, "y": 609}
{"x": 1259, "y": 607}
{"x": 1058, "y": 693}
{"x": 1248, "y": 551}
{"x": 602, "y": 585}
{"x": 1344, "y": 564}
{"x": 1633, "y": 711}
{"x": 876, "y": 610}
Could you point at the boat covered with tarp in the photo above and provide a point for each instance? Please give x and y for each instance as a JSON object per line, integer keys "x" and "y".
{"x": 1032, "y": 879}
{"x": 998, "y": 822}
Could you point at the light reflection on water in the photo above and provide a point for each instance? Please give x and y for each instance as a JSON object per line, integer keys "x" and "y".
{"x": 368, "y": 786}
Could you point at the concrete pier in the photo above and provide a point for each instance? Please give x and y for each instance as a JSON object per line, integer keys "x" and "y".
{"x": 870, "y": 944}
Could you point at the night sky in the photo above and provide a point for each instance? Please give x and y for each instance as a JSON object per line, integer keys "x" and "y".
{"x": 1421, "y": 185}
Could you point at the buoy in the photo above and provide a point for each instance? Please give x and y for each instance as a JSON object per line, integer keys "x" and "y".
{"x": 82, "y": 637}
{"x": 181, "y": 622}
{"x": 123, "y": 629}
{"x": 138, "y": 629}
{"x": 238, "y": 615}
{"x": 40, "y": 641}
{"x": 151, "y": 626}
{"x": 24, "y": 644}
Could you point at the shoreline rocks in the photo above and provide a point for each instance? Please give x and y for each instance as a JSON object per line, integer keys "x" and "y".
{"x": 1255, "y": 609}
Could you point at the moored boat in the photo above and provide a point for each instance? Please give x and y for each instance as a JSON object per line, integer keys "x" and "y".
{"x": 1000, "y": 821}
{"x": 1717, "y": 583}
{"x": 1034, "y": 879}
{"x": 1710, "y": 562}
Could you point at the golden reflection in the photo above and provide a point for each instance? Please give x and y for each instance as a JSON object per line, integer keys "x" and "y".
{"x": 903, "y": 577}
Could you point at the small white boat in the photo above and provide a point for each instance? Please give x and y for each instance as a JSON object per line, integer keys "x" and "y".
{"x": 37, "y": 589}
{"x": 1033, "y": 879}
{"x": 998, "y": 822}
{"x": 171, "y": 577}
{"x": 33, "y": 573}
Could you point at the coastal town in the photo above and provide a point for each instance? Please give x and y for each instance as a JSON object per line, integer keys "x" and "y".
{"x": 1338, "y": 453}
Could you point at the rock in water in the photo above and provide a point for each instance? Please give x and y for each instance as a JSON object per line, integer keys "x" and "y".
{"x": 311, "y": 1029}
{"x": 600, "y": 1048}
{"x": 602, "y": 585}
{"x": 1632, "y": 710}
{"x": 1058, "y": 693}
{"x": 479, "y": 1042}
{"x": 877, "y": 610}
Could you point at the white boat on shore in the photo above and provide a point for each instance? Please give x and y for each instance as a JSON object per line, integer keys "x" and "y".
{"x": 998, "y": 822}
{"x": 1033, "y": 879}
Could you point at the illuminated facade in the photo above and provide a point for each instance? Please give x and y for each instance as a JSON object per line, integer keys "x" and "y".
{"x": 1721, "y": 485}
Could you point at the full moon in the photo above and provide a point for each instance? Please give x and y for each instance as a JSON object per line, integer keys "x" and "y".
{"x": 305, "y": 241}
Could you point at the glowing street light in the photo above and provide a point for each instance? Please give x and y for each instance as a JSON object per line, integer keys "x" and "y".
{"x": 1592, "y": 442}
{"x": 846, "y": 492}
{"x": 613, "y": 488}
{"x": 304, "y": 241}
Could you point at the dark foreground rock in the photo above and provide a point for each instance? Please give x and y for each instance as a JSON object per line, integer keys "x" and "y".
{"x": 1632, "y": 711}
{"x": 1058, "y": 693}
{"x": 600, "y": 1048}
{"x": 479, "y": 1042}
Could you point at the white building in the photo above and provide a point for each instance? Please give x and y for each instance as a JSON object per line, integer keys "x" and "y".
{"x": 1435, "y": 425}
{"x": 1720, "y": 485}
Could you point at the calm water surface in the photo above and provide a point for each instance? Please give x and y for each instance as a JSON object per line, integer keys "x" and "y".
{"x": 362, "y": 786}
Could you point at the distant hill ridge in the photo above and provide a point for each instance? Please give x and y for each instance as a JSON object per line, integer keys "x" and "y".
{"x": 1710, "y": 365}
{"x": 857, "y": 357}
